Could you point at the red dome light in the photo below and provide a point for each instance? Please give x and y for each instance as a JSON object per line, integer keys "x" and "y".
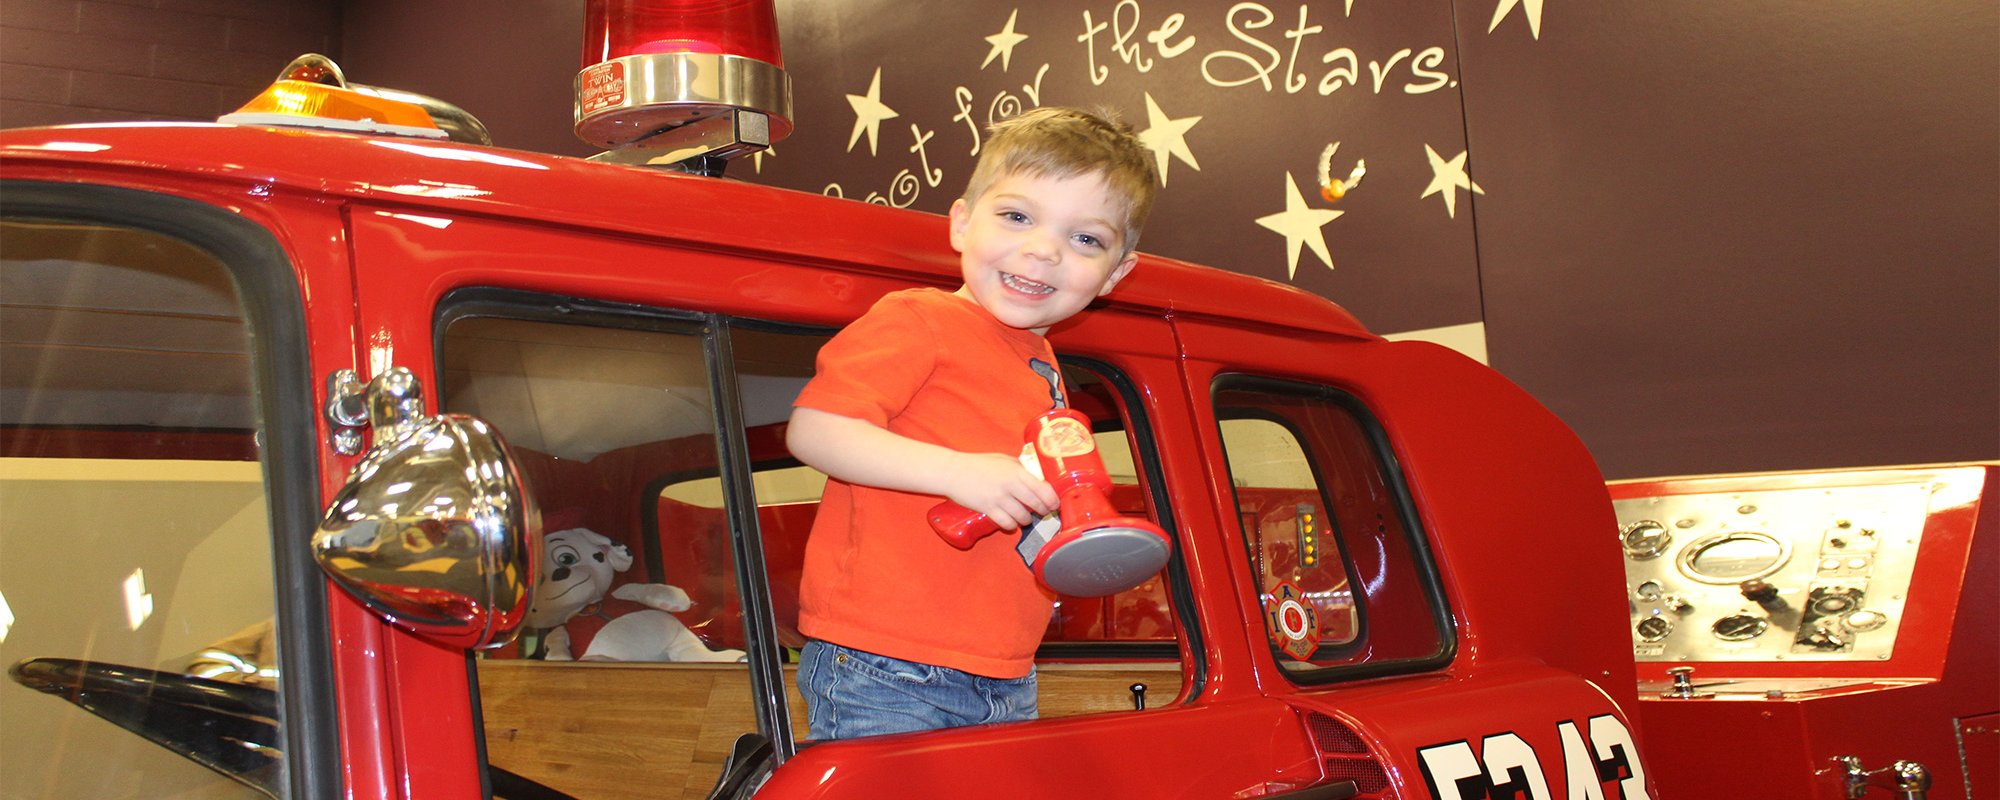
{"x": 747, "y": 28}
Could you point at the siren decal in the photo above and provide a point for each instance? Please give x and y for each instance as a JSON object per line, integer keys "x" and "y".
{"x": 1506, "y": 766}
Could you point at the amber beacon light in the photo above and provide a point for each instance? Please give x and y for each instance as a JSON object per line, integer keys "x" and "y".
{"x": 688, "y": 83}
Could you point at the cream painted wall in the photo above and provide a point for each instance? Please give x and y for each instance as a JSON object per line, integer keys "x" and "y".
{"x": 75, "y": 531}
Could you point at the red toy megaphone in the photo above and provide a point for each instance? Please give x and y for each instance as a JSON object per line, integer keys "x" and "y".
{"x": 1097, "y": 551}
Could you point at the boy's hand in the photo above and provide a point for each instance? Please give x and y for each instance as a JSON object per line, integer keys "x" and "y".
{"x": 1000, "y": 488}
{"x": 857, "y": 451}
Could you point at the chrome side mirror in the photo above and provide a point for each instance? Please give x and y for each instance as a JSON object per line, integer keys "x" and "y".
{"x": 434, "y": 530}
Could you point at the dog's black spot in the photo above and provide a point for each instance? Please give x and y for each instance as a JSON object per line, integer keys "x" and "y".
{"x": 561, "y": 574}
{"x": 598, "y": 556}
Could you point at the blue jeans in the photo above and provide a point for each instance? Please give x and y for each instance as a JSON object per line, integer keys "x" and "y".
{"x": 853, "y": 693}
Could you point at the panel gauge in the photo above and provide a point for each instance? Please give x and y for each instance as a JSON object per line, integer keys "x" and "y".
{"x": 1645, "y": 539}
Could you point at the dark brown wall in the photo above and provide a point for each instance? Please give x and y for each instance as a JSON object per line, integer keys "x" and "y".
{"x": 1745, "y": 236}
{"x": 508, "y": 63}
{"x": 66, "y": 61}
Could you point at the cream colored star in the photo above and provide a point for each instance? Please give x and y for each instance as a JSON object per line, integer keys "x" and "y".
{"x": 869, "y": 113}
{"x": 1003, "y": 43}
{"x": 757, "y": 158}
{"x": 1166, "y": 137}
{"x": 1300, "y": 224}
{"x": 1448, "y": 177}
{"x": 1531, "y": 8}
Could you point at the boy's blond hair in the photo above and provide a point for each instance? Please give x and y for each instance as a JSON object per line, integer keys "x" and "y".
{"x": 1067, "y": 142}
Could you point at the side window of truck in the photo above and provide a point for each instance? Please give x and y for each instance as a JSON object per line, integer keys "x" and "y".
{"x": 137, "y": 580}
{"x": 1345, "y": 582}
{"x": 612, "y": 416}
{"x": 598, "y": 410}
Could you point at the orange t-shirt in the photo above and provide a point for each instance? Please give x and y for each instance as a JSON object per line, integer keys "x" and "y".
{"x": 932, "y": 366}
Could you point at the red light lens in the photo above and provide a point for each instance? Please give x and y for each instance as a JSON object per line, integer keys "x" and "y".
{"x": 614, "y": 28}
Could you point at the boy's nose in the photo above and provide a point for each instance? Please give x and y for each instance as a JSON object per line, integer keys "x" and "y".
{"x": 1044, "y": 247}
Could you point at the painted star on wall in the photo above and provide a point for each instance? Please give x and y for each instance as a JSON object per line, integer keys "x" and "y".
{"x": 1300, "y": 225}
{"x": 869, "y": 113}
{"x": 1532, "y": 9}
{"x": 1166, "y": 137}
{"x": 1003, "y": 43}
{"x": 1448, "y": 177}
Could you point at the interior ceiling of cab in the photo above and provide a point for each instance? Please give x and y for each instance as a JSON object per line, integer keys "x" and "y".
{"x": 576, "y": 391}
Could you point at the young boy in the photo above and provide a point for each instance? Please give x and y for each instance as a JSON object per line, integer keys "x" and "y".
{"x": 925, "y": 397}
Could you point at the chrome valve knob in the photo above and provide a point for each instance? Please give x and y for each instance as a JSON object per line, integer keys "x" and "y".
{"x": 1683, "y": 687}
{"x": 1913, "y": 780}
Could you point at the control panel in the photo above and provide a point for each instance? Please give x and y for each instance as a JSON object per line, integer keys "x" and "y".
{"x": 1815, "y": 574}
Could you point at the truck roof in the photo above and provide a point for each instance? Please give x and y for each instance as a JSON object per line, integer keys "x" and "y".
{"x": 636, "y": 201}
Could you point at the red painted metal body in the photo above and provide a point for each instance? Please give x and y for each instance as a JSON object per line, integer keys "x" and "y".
{"x": 1509, "y": 506}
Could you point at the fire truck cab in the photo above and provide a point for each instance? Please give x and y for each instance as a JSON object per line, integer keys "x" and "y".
{"x": 301, "y": 427}
{"x": 241, "y": 355}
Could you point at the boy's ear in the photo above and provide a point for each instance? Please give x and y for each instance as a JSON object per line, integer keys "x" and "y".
{"x": 1119, "y": 272}
{"x": 960, "y": 216}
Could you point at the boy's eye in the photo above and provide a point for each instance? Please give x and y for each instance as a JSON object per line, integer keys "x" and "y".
{"x": 1013, "y": 216}
{"x": 1089, "y": 240}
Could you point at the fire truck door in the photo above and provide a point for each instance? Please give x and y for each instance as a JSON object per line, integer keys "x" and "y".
{"x": 1417, "y": 544}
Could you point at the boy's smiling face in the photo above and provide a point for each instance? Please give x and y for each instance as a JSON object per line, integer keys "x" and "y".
{"x": 1035, "y": 250}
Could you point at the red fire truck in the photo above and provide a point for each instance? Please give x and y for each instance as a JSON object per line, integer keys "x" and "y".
{"x": 306, "y": 433}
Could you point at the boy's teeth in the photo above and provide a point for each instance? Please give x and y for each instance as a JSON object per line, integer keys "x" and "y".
{"x": 1020, "y": 284}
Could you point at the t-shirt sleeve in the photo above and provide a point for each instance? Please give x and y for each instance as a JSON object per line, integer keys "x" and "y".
{"x": 871, "y": 369}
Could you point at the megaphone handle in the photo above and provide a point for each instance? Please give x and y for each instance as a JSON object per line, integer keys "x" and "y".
{"x": 960, "y": 526}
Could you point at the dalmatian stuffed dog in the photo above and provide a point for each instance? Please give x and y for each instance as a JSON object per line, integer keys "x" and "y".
{"x": 579, "y": 565}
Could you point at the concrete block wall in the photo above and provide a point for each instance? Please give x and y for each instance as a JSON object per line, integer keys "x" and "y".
{"x": 69, "y": 61}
